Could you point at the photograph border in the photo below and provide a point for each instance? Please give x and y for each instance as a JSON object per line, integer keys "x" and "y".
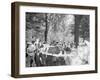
{"x": 15, "y": 32}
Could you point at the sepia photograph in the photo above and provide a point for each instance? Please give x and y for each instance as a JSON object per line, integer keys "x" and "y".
{"x": 54, "y": 39}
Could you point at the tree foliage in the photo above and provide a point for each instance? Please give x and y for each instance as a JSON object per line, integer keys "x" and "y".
{"x": 58, "y": 27}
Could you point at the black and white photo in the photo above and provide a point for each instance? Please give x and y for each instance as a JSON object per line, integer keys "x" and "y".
{"x": 53, "y": 39}
{"x": 57, "y": 39}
